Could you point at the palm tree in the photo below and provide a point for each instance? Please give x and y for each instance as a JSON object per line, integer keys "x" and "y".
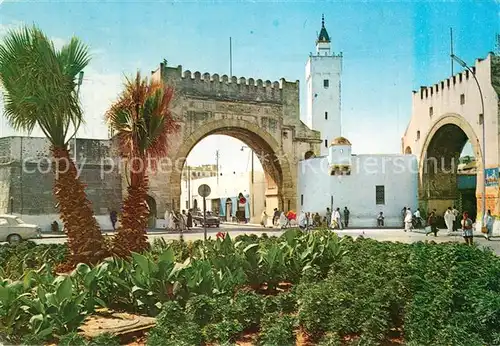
{"x": 142, "y": 121}
{"x": 39, "y": 83}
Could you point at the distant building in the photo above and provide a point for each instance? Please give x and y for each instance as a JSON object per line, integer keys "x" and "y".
{"x": 197, "y": 172}
{"x": 225, "y": 197}
{"x": 365, "y": 184}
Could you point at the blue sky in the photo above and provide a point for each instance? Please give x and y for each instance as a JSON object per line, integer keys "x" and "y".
{"x": 390, "y": 48}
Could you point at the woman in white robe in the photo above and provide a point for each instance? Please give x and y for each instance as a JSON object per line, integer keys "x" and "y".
{"x": 408, "y": 220}
{"x": 302, "y": 221}
{"x": 263, "y": 219}
{"x": 449, "y": 219}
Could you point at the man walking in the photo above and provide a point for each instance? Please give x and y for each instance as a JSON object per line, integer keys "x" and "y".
{"x": 113, "y": 218}
{"x": 328, "y": 218}
{"x": 346, "y": 217}
{"x": 432, "y": 223}
{"x": 456, "y": 223}
{"x": 276, "y": 216}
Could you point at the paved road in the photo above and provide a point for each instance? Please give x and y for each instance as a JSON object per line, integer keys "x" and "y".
{"x": 378, "y": 234}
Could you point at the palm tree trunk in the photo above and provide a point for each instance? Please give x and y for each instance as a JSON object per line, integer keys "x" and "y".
{"x": 85, "y": 240}
{"x": 132, "y": 235}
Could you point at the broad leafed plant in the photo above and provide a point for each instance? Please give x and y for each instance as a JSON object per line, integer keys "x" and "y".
{"x": 39, "y": 84}
{"x": 142, "y": 121}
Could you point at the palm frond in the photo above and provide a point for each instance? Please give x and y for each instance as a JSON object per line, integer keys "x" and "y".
{"x": 39, "y": 82}
{"x": 142, "y": 119}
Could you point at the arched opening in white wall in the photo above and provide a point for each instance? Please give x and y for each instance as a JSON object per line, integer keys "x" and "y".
{"x": 449, "y": 171}
{"x": 408, "y": 151}
{"x": 236, "y": 168}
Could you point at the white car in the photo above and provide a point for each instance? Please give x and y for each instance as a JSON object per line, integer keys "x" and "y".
{"x": 14, "y": 230}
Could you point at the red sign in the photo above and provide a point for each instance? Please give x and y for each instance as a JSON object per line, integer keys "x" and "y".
{"x": 243, "y": 200}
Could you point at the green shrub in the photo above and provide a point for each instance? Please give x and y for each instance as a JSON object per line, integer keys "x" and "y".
{"x": 183, "y": 334}
{"x": 330, "y": 339}
{"x": 223, "y": 332}
{"x": 201, "y": 310}
{"x": 171, "y": 315}
{"x": 73, "y": 339}
{"x": 248, "y": 308}
{"x": 287, "y": 302}
{"x": 105, "y": 339}
{"x": 277, "y": 329}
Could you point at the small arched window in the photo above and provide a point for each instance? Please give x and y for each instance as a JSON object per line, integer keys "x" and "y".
{"x": 308, "y": 155}
{"x": 418, "y": 135}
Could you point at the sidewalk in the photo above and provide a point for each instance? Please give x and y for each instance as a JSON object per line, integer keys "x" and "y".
{"x": 108, "y": 232}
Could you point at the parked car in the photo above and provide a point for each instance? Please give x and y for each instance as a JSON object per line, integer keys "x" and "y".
{"x": 14, "y": 230}
{"x": 211, "y": 220}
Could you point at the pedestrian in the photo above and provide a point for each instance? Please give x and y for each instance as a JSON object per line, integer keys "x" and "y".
{"x": 488, "y": 223}
{"x": 347, "y": 213}
{"x": 113, "y": 216}
{"x": 336, "y": 216}
{"x": 431, "y": 221}
{"x": 408, "y": 219}
{"x": 467, "y": 231}
{"x": 403, "y": 216}
{"x": 380, "y": 220}
{"x": 177, "y": 220}
{"x": 418, "y": 219}
{"x": 263, "y": 218}
{"x": 328, "y": 217}
{"x": 456, "y": 224}
{"x": 276, "y": 216}
{"x": 189, "y": 221}
{"x": 449, "y": 219}
{"x": 283, "y": 221}
{"x": 302, "y": 221}
{"x": 317, "y": 220}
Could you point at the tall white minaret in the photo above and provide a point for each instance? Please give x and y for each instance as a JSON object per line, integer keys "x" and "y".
{"x": 323, "y": 78}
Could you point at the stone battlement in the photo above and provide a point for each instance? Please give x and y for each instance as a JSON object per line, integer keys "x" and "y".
{"x": 225, "y": 87}
{"x": 443, "y": 86}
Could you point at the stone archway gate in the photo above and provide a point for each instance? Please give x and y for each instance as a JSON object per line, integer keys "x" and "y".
{"x": 264, "y": 115}
{"x": 444, "y": 116}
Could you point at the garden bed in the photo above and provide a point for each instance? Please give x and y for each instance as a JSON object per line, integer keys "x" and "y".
{"x": 297, "y": 289}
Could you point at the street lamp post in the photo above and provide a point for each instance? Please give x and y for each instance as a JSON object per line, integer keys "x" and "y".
{"x": 481, "y": 119}
{"x": 252, "y": 186}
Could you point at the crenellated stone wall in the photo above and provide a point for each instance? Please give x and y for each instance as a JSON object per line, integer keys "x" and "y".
{"x": 26, "y": 177}
{"x": 264, "y": 115}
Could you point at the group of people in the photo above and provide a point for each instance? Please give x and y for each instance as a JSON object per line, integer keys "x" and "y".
{"x": 452, "y": 221}
{"x": 306, "y": 220}
{"x": 179, "y": 221}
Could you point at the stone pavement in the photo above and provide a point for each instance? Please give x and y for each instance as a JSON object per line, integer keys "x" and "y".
{"x": 395, "y": 235}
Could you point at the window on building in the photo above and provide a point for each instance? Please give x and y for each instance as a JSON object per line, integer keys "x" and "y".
{"x": 187, "y": 205}
{"x": 326, "y": 83}
{"x": 380, "y": 194}
{"x": 462, "y": 99}
{"x": 326, "y": 143}
{"x": 326, "y": 115}
{"x": 418, "y": 135}
{"x": 431, "y": 111}
{"x": 301, "y": 199}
